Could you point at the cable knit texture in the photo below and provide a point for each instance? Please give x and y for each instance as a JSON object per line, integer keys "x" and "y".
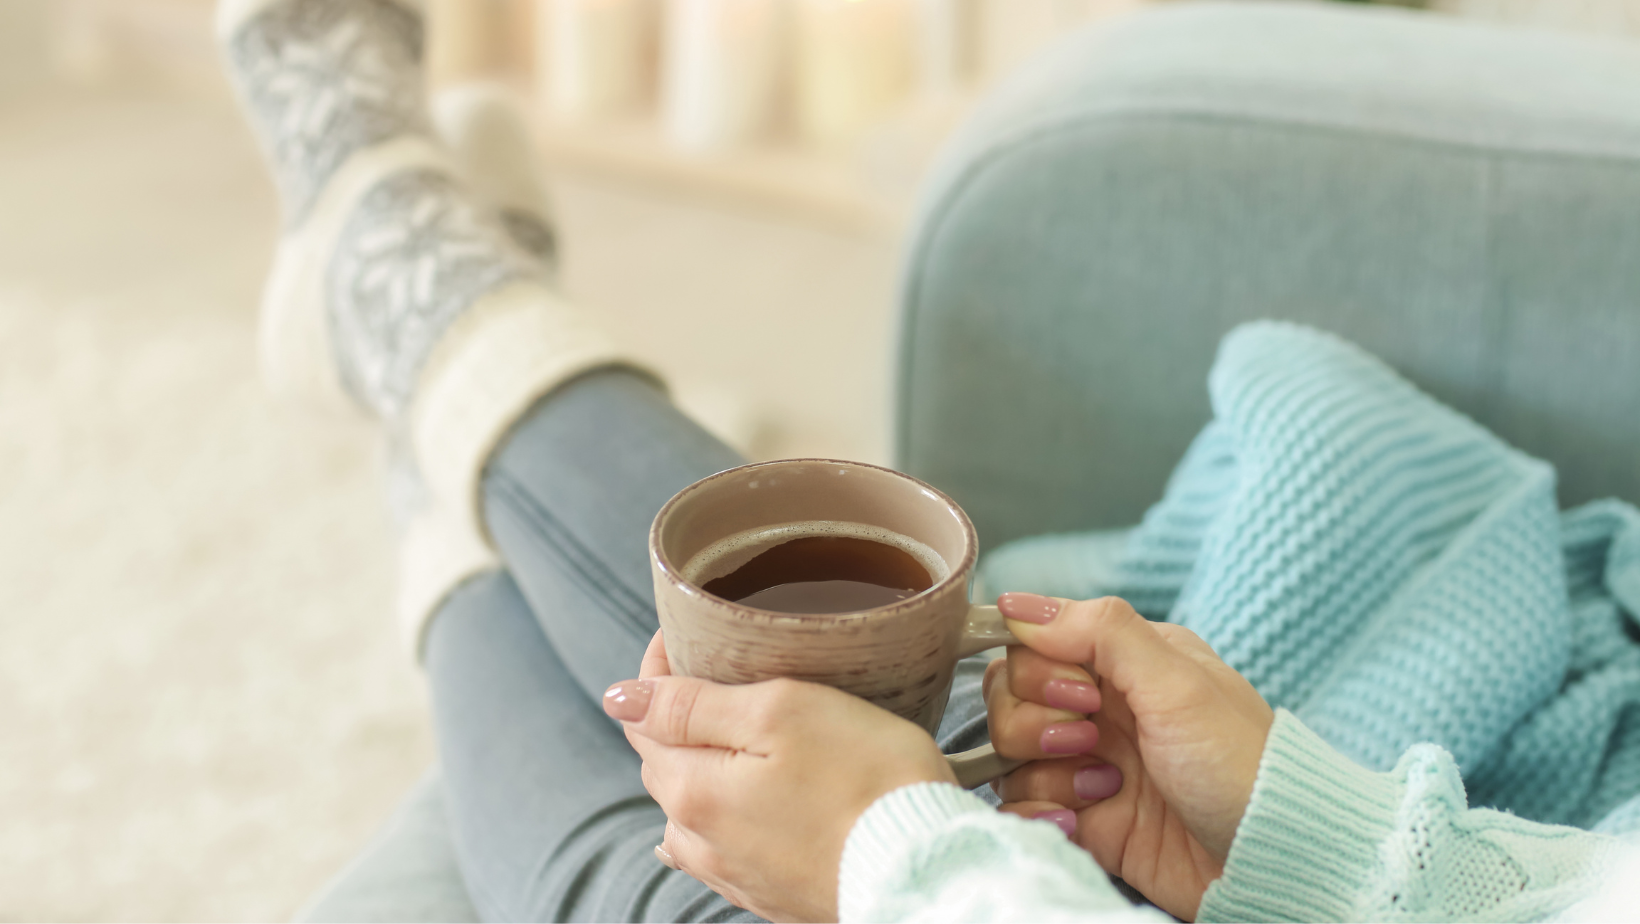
{"x": 1398, "y": 579}
{"x": 1325, "y": 839}
{"x": 1401, "y": 582}
{"x": 1390, "y": 572}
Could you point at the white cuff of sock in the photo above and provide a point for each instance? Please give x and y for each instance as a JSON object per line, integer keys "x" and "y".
{"x": 507, "y": 351}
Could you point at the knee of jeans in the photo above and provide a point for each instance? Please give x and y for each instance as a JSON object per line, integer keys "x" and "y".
{"x": 486, "y": 594}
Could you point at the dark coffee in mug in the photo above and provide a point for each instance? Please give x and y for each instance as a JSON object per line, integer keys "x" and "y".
{"x": 824, "y": 574}
{"x": 817, "y": 568}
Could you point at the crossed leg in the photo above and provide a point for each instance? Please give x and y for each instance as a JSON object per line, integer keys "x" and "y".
{"x": 551, "y": 820}
{"x": 414, "y": 281}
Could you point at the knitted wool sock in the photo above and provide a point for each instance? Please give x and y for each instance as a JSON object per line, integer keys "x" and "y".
{"x": 395, "y": 289}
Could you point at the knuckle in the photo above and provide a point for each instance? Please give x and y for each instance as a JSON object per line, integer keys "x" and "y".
{"x": 1090, "y": 620}
{"x": 1028, "y": 670}
{"x": 1084, "y": 616}
{"x": 1012, "y": 733}
{"x": 1196, "y": 643}
{"x": 775, "y": 704}
{"x": 1111, "y": 611}
{"x": 677, "y": 708}
{"x": 1023, "y": 785}
{"x": 1029, "y": 673}
{"x": 999, "y": 718}
{"x": 995, "y": 683}
{"x": 782, "y": 692}
{"x": 1179, "y": 635}
{"x": 689, "y": 807}
{"x": 1053, "y": 780}
{"x": 996, "y": 668}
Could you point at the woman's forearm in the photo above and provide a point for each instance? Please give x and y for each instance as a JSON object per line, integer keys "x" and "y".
{"x": 1324, "y": 839}
{"x": 932, "y": 852}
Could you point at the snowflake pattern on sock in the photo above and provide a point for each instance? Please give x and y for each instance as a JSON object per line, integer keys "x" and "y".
{"x": 414, "y": 254}
{"x": 325, "y": 78}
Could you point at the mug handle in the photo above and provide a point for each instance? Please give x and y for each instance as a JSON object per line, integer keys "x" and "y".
{"x": 984, "y": 629}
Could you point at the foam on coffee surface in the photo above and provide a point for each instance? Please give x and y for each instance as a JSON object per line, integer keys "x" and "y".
{"x": 729, "y": 553}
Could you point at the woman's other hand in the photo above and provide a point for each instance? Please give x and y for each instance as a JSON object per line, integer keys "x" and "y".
{"x": 761, "y": 783}
{"x": 1160, "y": 787}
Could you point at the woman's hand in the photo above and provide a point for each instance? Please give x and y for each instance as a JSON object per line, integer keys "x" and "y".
{"x": 1159, "y": 789}
{"x": 761, "y": 783}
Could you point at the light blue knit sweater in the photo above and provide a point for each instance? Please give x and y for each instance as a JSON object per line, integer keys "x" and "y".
{"x": 1394, "y": 576}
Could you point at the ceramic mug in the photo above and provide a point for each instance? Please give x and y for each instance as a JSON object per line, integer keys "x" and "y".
{"x": 901, "y": 656}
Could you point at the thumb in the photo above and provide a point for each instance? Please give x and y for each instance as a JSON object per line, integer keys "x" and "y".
{"x": 685, "y": 712}
{"x": 1106, "y": 634}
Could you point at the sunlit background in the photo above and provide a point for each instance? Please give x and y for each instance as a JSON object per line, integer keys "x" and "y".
{"x": 204, "y": 710}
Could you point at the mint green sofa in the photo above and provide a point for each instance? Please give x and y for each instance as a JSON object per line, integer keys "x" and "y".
{"x": 1462, "y": 200}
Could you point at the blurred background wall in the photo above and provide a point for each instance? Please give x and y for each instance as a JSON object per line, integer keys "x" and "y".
{"x": 204, "y": 709}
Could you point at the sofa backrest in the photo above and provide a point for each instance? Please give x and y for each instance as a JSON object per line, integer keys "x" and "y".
{"x": 1462, "y": 200}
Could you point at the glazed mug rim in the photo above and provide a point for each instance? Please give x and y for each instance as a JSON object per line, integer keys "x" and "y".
{"x": 958, "y": 572}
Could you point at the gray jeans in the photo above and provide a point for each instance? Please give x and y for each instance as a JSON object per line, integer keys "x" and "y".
{"x": 551, "y": 821}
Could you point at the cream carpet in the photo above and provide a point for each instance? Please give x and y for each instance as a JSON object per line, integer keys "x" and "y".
{"x": 204, "y": 710}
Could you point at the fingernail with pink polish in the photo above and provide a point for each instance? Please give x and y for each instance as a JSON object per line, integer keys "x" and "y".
{"x": 628, "y": 701}
{"x": 1100, "y": 781}
{"x": 1064, "y": 818}
{"x": 1071, "y": 695}
{"x": 1070, "y": 738}
{"x": 1028, "y": 607}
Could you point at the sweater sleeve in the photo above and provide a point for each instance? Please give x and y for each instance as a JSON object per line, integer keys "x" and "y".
{"x": 932, "y": 852}
{"x": 1324, "y": 839}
